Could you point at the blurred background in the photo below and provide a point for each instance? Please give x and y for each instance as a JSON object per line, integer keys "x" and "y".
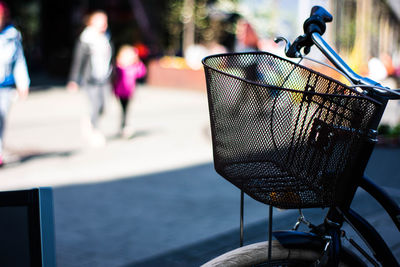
{"x": 360, "y": 29}
{"x": 153, "y": 198}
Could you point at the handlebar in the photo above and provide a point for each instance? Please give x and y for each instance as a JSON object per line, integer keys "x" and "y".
{"x": 339, "y": 63}
{"x": 314, "y": 27}
{"x": 317, "y": 21}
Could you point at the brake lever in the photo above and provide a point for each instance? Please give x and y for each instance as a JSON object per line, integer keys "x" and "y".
{"x": 287, "y": 43}
{"x": 293, "y": 50}
{"x": 315, "y": 23}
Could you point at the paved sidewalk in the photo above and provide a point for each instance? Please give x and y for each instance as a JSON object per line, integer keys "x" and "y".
{"x": 45, "y": 145}
{"x": 152, "y": 199}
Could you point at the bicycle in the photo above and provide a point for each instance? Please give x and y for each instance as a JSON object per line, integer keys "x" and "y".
{"x": 305, "y": 146}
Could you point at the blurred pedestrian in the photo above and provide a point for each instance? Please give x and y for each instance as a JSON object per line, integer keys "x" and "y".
{"x": 128, "y": 69}
{"x": 246, "y": 37}
{"x": 247, "y": 41}
{"x": 13, "y": 69}
{"x": 377, "y": 70}
{"x": 91, "y": 69}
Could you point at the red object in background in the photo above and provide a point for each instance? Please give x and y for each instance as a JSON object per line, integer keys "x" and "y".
{"x": 142, "y": 50}
{"x": 388, "y": 63}
{"x": 4, "y": 10}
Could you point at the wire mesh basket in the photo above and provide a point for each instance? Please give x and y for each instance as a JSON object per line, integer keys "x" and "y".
{"x": 284, "y": 134}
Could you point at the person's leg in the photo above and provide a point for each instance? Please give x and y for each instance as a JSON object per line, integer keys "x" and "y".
{"x": 124, "y": 105}
{"x": 96, "y": 98}
{"x": 102, "y": 95}
{"x": 5, "y": 101}
{"x": 92, "y": 93}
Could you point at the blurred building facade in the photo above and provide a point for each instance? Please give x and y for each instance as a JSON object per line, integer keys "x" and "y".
{"x": 366, "y": 29}
{"x": 361, "y": 29}
{"x": 50, "y": 28}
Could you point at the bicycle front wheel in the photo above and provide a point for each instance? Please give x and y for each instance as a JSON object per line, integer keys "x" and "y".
{"x": 257, "y": 255}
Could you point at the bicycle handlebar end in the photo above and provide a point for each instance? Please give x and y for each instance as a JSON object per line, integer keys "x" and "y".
{"x": 317, "y": 21}
{"x": 320, "y": 11}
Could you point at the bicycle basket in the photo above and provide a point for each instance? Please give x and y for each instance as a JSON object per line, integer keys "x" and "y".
{"x": 284, "y": 134}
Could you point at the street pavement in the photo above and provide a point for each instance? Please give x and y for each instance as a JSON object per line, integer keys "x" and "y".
{"x": 152, "y": 198}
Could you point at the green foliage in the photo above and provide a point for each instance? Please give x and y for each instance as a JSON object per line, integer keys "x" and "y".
{"x": 206, "y": 27}
{"x": 395, "y": 131}
{"x": 388, "y": 131}
{"x": 346, "y": 24}
{"x": 173, "y": 23}
{"x": 383, "y": 129}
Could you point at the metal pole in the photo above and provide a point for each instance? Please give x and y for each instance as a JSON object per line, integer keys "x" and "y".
{"x": 270, "y": 233}
{"x": 241, "y": 216}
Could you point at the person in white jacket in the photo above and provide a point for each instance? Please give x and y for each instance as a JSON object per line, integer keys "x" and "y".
{"x": 91, "y": 69}
{"x": 13, "y": 69}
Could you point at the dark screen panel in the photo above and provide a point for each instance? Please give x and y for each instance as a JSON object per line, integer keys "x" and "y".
{"x": 27, "y": 228}
{"x": 14, "y": 236}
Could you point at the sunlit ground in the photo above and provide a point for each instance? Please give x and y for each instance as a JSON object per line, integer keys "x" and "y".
{"x": 46, "y": 146}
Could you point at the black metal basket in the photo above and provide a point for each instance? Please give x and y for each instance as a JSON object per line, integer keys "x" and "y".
{"x": 285, "y": 134}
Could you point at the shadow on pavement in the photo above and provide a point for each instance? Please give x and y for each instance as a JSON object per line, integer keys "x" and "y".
{"x": 132, "y": 135}
{"x": 201, "y": 252}
{"x": 182, "y": 217}
{"x": 20, "y": 157}
{"x": 134, "y": 219}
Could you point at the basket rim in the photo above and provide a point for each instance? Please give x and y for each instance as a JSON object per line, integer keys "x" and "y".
{"x": 358, "y": 94}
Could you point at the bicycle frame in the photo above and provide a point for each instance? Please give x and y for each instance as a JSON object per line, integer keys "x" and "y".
{"x": 365, "y": 230}
{"x": 359, "y": 224}
{"x": 336, "y": 216}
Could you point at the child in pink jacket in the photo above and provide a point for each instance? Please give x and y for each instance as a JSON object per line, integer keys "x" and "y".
{"x": 128, "y": 69}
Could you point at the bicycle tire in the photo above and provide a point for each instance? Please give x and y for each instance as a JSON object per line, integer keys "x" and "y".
{"x": 257, "y": 255}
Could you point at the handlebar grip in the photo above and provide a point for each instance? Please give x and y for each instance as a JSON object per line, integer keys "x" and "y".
{"x": 317, "y": 21}
{"x": 321, "y": 12}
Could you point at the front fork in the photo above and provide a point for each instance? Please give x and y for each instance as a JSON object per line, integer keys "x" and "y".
{"x": 331, "y": 254}
{"x": 330, "y": 245}
{"x": 325, "y": 237}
